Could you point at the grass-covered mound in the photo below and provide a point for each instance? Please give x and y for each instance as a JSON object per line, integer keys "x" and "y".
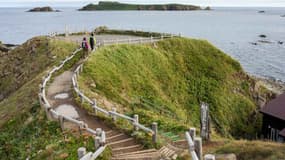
{"x": 105, "y": 5}
{"x": 166, "y": 82}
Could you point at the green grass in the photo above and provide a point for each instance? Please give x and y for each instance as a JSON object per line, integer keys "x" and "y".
{"x": 253, "y": 150}
{"x": 174, "y": 75}
{"x": 25, "y": 132}
{"x": 31, "y": 135}
{"x": 28, "y": 60}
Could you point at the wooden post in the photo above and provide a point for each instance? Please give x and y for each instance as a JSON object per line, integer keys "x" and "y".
{"x": 61, "y": 122}
{"x": 198, "y": 147}
{"x": 151, "y": 39}
{"x": 103, "y": 138}
{"x": 97, "y": 142}
{"x": 47, "y": 108}
{"x": 81, "y": 68}
{"x": 98, "y": 132}
{"x": 136, "y": 118}
{"x": 209, "y": 157}
{"x": 154, "y": 129}
{"x": 204, "y": 121}
{"x": 192, "y": 132}
{"x": 161, "y": 37}
{"x": 81, "y": 99}
{"x": 94, "y": 106}
{"x": 81, "y": 152}
{"x": 114, "y": 118}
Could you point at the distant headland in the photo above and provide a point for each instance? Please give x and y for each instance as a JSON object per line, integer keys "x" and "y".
{"x": 43, "y": 9}
{"x": 104, "y": 5}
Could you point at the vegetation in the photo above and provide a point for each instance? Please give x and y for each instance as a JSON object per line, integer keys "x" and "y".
{"x": 26, "y": 133}
{"x": 105, "y": 5}
{"x": 28, "y": 60}
{"x": 167, "y": 81}
{"x": 248, "y": 150}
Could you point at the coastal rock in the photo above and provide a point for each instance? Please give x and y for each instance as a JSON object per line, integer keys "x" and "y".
{"x": 262, "y": 36}
{"x": 3, "y": 48}
{"x": 208, "y": 8}
{"x": 282, "y": 15}
{"x": 43, "y": 9}
{"x": 261, "y": 11}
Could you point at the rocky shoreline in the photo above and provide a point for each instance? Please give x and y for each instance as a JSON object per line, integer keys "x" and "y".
{"x": 276, "y": 86}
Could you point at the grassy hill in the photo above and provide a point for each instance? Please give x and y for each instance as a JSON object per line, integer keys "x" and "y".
{"x": 105, "y": 5}
{"x": 166, "y": 83}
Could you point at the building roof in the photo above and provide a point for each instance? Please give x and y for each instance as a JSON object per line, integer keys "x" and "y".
{"x": 276, "y": 107}
{"x": 282, "y": 133}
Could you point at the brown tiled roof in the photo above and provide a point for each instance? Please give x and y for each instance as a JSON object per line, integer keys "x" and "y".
{"x": 276, "y": 107}
{"x": 282, "y": 133}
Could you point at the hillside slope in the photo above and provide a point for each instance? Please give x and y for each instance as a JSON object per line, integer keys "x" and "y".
{"x": 20, "y": 65}
{"x": 167, "y": 81}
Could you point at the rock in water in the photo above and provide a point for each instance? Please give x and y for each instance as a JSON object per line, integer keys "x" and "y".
{"x": 43, "y": 9}
{"x": 262, "y": 36}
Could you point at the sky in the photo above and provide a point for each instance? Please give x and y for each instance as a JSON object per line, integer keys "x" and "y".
{"x": 80, "y": 3}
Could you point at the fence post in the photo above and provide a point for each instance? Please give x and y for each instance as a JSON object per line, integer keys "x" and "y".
{"x": 81, "y": 68}
{"x": 136, "y": 118}
{"x": 81, "y": 152}
{"x": 198, "y": 147}
{"x": 192, "y": 132}
{"x": 114, "y": 118}
{"x": 61, "y": 122}
{"x": 209, "y": 157}
{"x": 97, "y": 142}
{"x": 94, "y": 106}
{"x": 151, "y": 39}
{"x": 81, "y": 99}
{"x": 154, "y": 129}
{"x": 103, "y": 138}
{"x": 161, "y": 37}
{"x": 98, "y": 132}
{"x": 49, "y": 116}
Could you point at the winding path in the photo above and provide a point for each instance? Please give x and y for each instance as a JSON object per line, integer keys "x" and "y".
{"x": 124, "y": 147}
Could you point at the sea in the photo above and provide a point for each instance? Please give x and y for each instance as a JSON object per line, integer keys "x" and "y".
{"x": 236, "y": 31}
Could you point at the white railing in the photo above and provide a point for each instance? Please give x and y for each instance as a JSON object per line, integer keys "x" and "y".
{"x": 52, "y": 114}
{"x": 136, "y": 40}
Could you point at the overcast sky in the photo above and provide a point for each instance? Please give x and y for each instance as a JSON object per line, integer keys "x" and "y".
{"x": 79, "y": 3}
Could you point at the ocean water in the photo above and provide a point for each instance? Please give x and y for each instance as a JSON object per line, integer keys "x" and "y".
{"x": 233, "y": 30}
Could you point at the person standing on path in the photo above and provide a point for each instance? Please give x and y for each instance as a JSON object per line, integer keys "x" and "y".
{"x": 85, "y": 47}
{"x": 92, "y": 42}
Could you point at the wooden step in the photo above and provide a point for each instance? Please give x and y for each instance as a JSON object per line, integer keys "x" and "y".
{"x": 116, "y": 137}
{"x": 122, "y": 150}
{"x": 136, "y": 152}
{"x": 143, "y": 156}
{"x": 126, "y": 142}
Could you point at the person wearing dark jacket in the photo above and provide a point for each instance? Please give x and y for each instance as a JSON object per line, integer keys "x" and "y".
{"x": 92, "y": 42}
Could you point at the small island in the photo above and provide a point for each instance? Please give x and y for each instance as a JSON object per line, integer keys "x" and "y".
{"x": 43, "y": 9}
{"x": 104, "y": 5}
